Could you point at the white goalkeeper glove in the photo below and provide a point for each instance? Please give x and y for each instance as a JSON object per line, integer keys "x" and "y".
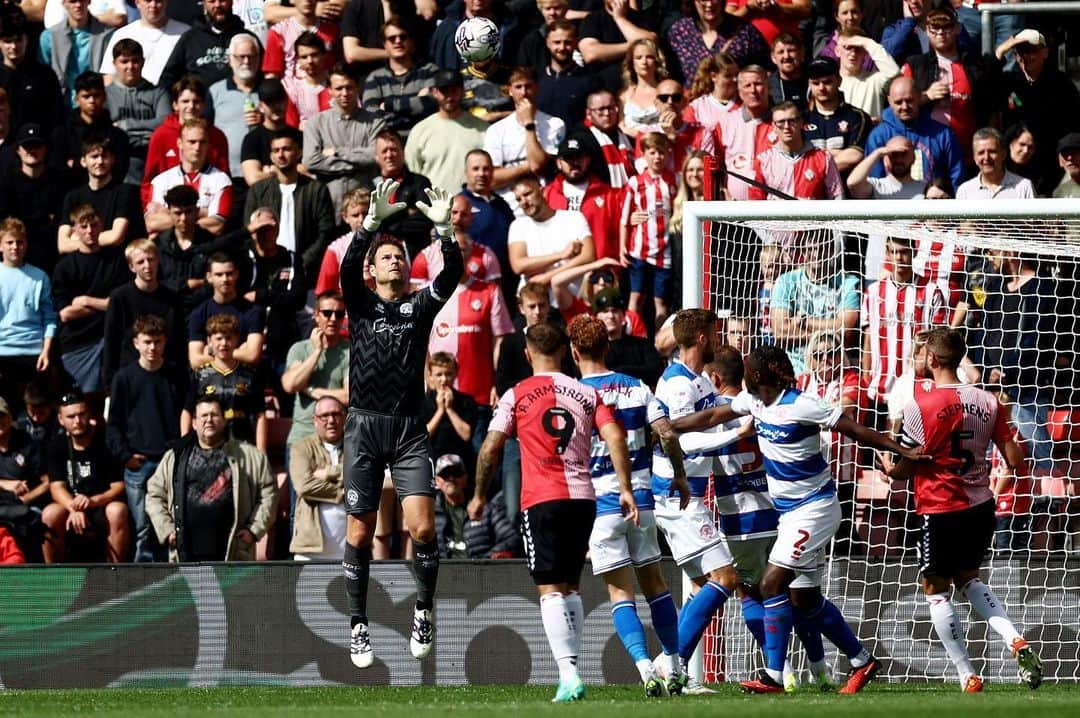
{"x": 381, "y": 207}
{"x": 438, "y": 211}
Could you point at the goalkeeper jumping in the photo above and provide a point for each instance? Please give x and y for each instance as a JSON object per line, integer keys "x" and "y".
{"x": 388, "y": 330}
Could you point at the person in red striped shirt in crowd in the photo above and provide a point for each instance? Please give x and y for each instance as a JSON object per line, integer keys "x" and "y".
{"x": 214, "y": 186}
{"x": 354, "y": 207}
{"x": 610, "y": 148}
{"x": 281, "y": 52}
{"x": 481, "y": 264}
{"x": 714, "y": 93}
{"x": 792, "y": 166}
{"x": 895, "y": 309}
{"x": 578, "y": 187}
{"x": 685, "y": 136}
{"x": 308, "y": 86}
{"x": 643, "y": 231}
{"x": 747, "y": 133}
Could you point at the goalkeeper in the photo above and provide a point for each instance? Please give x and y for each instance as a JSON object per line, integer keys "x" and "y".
{"x": 388, "y": 330}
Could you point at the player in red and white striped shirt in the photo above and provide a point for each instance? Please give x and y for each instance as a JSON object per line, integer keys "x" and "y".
{"x": 643, "y": 231}
{"x": 955, "y": 424}
{"x": 894, "y": 310}
{"x": 214, "y": 186}
{"x": 793, "y": 166}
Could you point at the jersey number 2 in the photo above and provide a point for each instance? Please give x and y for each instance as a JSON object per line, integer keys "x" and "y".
{"x": 559, "y": 423}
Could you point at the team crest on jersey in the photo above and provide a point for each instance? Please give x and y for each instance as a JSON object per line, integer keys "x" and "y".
{"x": 927, "y": 385}
{"x": 707, "y": 531}
{"x": 352, "y": 497}
{"x": 475, "y": 305}
{"x": 809, "y": 175}
{"x": 474, "y": 267}
{"x": 406, "y": 310}
{"x": 772, "y": 137}
{"x": 599, "y": 201}
{"x": 20, "y": 460}
{"x": 810, "y": 127}
{"x": 842, "y": 125}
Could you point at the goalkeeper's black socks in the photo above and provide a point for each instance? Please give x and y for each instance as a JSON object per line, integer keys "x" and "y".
{"x": 357, "y": 568}
{"x": 426, "y": 570}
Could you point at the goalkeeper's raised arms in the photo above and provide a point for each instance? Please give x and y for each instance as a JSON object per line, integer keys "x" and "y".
{"x": 438, "y": 211}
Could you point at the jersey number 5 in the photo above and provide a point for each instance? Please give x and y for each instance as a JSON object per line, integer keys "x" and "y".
{"x": 959, "y": 452}
{"x": 559, "y": 423}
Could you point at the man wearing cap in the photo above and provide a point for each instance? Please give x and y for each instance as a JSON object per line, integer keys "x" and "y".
{"x": 155, "y": 32}
{"x": 563, "y": 84}
{"x": 831, "y": 123}
{"x": 438, "y": 145}
{"x": 993, "y": 180}
{"x": 493, "y": 536}
{"x": 29, "y": 191}
{"x": 1041, "y": 96}
{"x": 1069, "y": 158}
{"x": 576, "y": 187}
{"x": 627, "y": 354}
{"x": 898, "y": 156}
{"x": 315, "y": 472}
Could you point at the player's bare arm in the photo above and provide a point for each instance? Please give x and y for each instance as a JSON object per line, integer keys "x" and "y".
{"x": 486, "y": 462}
{"x": 703, "y": 419}
{"x": 877, "y": 440}
{"x": 615, "y": 438}
{"x": 669, "y": 442}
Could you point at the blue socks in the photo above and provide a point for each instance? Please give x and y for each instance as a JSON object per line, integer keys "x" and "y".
{"x": 696, "y": 615}
{"x": 631, "y": 632}
{"x": 809, "y": 635}
{"x": 832, "y": 625}
{"x": 778, "y": 620}
{"x": 753, "y": 614}
{"x": 665, "y": 620}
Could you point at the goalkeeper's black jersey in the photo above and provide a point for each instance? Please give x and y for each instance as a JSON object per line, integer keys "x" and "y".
{"x": 388, "y": 340}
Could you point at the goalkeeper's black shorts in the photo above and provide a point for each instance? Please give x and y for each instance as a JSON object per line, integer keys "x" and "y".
{"x": 374, "y": 442}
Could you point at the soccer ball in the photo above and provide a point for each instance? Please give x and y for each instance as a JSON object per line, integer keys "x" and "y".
{"x": 477, "y": 39}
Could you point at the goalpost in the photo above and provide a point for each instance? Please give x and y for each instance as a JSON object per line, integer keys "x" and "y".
{"x": 1006, "y": 271}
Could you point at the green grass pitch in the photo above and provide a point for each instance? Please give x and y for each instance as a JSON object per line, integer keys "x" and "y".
{"x": 887, "y": 701}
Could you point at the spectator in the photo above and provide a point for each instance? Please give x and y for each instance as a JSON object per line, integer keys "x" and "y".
{"x": 525, "y": 142}
{"x": 643, "y": 245}
{"x": 137, "y": 106}
{"x": 39, "y": 419}
{"x": 1040, "y": 95}
{"x": 491, "y": 215}
{"x": 611, "y": 148}
{"x": 788, "y": 83}
{"x": 708, "y": 19}
{"x": 308, "y": 88}
{"x": 643, "y": 68}
{"x": 594, "y": 278}
{"x": 27, "y": 316}
{"x": 532, "y": 51}
{"x": 144, "y": 418}
{"x": 449, "y": 414}
{"x": 157, "y": 35}
{"x": 253, "y": 15}
{"x": 481, "y": 264}
{"x": 79, "y": 29}
{"x": 576, "y": 187}
{"x": 89, "y": 120}
{"x": 443, "y": 52}
{"x": 993, "y": 180}
{"x": 144, "y": 296}
{"x": 746, "y": 133}
{"x": 29, "y": 189}
{"x": 606, "y": 36}
{"x": 834, "y": 125}
{"x": 33, "y": 88}
{"x": 1021, "y": 143}
{"x": 817, "y": 296}
{"x": 339, "y": 146}
{"x": 907, "y": 36}
{"x": 792, "y": 166}
{"x": 296, "y": 197}
{"x": 281, "y": 56}
{"x": 691, "y": 188}
{"x": 438, "y": 144}
{"x": 112, "y": 13}
{"x": 714, "y": 92}
{"x": 956, "y": 84}
{"x": 362, "y": 45}
{"x": 82, "y": 284}
{"x": 401, "y": 89}
{"x": 544, "y": 240}
{"x": 1069, "y": 159}
{"x": 211, "y": 498}
{"x": 272, "y": 277}
{"x": 685, "y": 136}
{"x": 492, "y": 537}
{"x": 188, "y": 103}
{"x": 563, "y": 84}
{"x": 237, "y": 385}
{"x": 202, "y": 49}
{"x": 898, "y": 157}
{"x": 771, "y": 19}
{"x": 354, "y": 207}
{"x": 861, "y": 87}
{"x": 222, "y": 273}
{"x": 315, "y": 471}
{"x": 184, "y": 248}
{"x": 937, "y": 153}
{"x": 847, "y": 15}
{"x": 627, "y": 354}
{"x": 410, "y": 226}
{"x": 22, "y": 465}
{"x": 274, "y": 106}
{"x": 233, "y": 101}
{"x": 87, "y": 490}
{"x": 214, "y": 186}
{"x": 116, "y": 202}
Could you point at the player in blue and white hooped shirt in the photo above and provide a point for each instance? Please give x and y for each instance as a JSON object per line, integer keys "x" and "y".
{"x": 788, "y": 425}
{"x": 696, "y": 545}
{"x": 616, "y": 546}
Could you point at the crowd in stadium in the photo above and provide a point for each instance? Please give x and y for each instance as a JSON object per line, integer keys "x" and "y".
{"x": 179, "y": 183}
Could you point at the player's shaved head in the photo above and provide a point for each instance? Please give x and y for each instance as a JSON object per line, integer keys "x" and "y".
{"x": 589, "y": 337}
{"x": 947, "y": 345}
{"x": 692, "y": 323}
{"x": 545, "y": 339}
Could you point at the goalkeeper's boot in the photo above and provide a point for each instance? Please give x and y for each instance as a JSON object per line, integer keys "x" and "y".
{"x": 861, "y": 676}
{"x": 762, "y": 682}
{"x": 1031, "y": 670}
{"x": 569, "y": 691}
{"x": 423, "y": 634}
{"x": 360, "y": 650}
{"x": 973, "y": 684}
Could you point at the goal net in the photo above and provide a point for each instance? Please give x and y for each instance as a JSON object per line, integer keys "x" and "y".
{"x": 846, "y": 288}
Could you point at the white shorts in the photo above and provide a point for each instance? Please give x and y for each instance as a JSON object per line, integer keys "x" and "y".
{"x": 750, "y": 556}
{"x": 615, "y": 542}
{"x": 696, "y": 545}
{"x": 801, "y": 539}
